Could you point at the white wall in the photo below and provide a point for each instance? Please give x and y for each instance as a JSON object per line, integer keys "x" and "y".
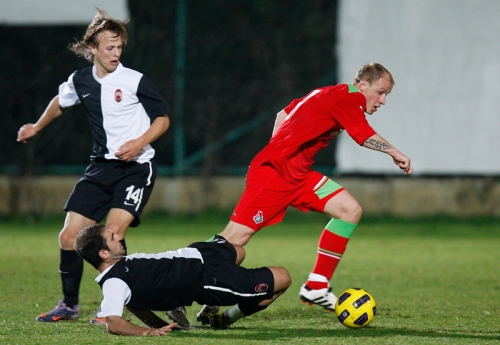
{"x": 445, "y": 59}
{"x": 60, "y": 12}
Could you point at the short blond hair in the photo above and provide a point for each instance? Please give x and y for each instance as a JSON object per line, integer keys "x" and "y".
{"x": 372, "y": 72}
{"x": 100, "y": 24}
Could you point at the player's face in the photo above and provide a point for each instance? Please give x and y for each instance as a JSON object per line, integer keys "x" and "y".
{"x": 107, "y": 54}
{"x": 116, "y": 250}
{"x": 375, "y": 93}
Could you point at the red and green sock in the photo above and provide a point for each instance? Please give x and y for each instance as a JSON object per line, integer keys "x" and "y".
{"x": 331, "y": 246}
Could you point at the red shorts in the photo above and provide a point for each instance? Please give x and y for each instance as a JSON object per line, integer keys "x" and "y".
{"x": 267, "y": 196}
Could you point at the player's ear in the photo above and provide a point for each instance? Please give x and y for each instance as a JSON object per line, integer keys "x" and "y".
{"x": 104, "y": 254}
{"x": 362, "y": 85}
{"x": 93, "y": 49}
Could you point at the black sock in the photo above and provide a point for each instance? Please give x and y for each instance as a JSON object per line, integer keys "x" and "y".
{"x": 71, "y": 270}
{"x": 250, "y": 307}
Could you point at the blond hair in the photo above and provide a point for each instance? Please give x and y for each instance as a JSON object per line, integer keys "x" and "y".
{"x": 372, "y": 72}
{"x": 100, "y": 24}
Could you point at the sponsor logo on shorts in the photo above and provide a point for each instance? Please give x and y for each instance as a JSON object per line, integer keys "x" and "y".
{"x": 261, "y": 288}
{"x": 118, "y": 95}
{"x": 259, "y": 217}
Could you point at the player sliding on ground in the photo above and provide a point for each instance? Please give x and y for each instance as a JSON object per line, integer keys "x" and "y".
{"x": 204, "y": 272}
{"x": 281, "y": 175}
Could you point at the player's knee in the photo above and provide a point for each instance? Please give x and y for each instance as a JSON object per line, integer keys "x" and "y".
{"x": 356, "y": 212}
{"x": 344, "y": 207}
{"x": 351, "y": 212}
{"x": 118, "y": 228}
{"x": 282, "y": 278}
{"x": 66, "y": 239}
{"x": 287, "y": 279}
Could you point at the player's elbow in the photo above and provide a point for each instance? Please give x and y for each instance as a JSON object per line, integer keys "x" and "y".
{"x": 164, "y": 122}
{"x": 113, "y": 325}
{"x": 111, "y": 328}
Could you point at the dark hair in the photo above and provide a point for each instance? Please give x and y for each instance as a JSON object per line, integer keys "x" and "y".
{"x": 100, "y": 24}
{"x": 89, "y": 242}
{"x": 372, "y": 72}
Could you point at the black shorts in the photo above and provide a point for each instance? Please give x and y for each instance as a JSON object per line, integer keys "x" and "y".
{"x": 226, "y": 283}
{"x": 111, "y": 184}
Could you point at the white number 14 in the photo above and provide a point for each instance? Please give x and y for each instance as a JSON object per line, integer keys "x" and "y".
{"x": 134, "y": 195}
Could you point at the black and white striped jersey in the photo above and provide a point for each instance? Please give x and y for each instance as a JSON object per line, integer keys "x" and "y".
{"x": 121, "y": 106}
{"x": 160, "y": 281}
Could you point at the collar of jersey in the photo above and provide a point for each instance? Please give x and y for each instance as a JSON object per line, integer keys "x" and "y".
{"x": 109, "y": 76}
{"x": 99, "y": 277}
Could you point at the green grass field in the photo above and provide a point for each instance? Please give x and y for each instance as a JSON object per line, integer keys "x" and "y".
{"x": 436, "y": 281}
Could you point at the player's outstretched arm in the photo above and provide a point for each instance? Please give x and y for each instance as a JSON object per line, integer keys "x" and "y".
{"x": 120, "y": 326}
{"x": 377, "y": 143}
{"x": 132, "y": 147}
{"x": 29, "y": 130}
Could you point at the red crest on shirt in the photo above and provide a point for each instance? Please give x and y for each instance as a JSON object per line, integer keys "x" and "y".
{"x": 118, "y": 95}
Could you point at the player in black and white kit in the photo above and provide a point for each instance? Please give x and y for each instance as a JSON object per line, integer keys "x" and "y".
{"x": 126, "y": 113}
{"x": 204, "y": 272}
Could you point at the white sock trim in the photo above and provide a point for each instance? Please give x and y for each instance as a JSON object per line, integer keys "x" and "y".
{"x": 317, "y": 278}
{"x": 234, "y": 313}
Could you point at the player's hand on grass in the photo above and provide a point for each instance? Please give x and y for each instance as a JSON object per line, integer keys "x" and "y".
{"x": 162, "y": 331}
{"x": 25, "y": 132}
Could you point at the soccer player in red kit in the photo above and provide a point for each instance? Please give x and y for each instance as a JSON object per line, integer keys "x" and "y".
{"x": 281, "y": 175}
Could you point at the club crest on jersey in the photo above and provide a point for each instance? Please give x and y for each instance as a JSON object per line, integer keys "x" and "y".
{"x": 118, "y": 95}
{"x": 258, "y": 218}
{"x": 261, "y": 288}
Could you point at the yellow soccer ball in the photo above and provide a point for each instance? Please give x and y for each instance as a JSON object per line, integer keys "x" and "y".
{"x": 355, "y": 308}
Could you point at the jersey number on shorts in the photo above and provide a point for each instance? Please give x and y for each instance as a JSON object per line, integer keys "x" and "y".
{"x": 133, "y": 196}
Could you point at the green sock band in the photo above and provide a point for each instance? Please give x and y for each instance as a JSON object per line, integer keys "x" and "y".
{"x": 341, "y": 228}
{"x": 211, "y": 239}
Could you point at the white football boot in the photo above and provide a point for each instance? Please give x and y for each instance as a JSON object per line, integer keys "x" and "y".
{"x": 322, "y": 297}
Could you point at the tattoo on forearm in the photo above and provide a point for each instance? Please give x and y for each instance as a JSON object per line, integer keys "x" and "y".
{"x": 377, "y": 144}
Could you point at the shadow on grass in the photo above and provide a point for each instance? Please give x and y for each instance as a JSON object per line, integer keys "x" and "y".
{"x": 277, "y": 333}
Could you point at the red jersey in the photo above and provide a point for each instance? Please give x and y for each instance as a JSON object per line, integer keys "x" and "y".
{"x": 312, "y": 122}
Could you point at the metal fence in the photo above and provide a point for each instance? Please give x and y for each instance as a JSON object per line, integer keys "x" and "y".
{"x": 226, "y": 68}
